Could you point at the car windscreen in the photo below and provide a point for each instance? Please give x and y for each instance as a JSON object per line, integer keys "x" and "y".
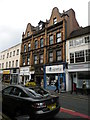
{"x": 38, "y": 91}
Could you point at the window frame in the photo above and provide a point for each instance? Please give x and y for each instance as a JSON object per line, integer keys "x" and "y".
{"x": 58, "y": 38}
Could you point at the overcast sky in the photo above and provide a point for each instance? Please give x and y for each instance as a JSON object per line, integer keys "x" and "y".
{"x": 16, "y": 14}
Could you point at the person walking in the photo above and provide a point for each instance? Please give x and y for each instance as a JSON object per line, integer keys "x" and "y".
{"x": 11, "y": 81}
{"x": 84, "y": 91}
{"x": 57, "y": 88}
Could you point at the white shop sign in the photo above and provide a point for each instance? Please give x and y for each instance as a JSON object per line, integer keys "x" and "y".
{"x": 54, "y": 69}
{"x": 24, "y": 71}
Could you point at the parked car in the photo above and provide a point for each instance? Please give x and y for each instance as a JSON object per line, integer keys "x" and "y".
{"x": 33, "y": 101}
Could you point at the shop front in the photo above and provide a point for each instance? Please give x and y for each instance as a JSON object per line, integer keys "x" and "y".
{"x": 39, "y": 74}
{"x": 15, "y": 75}
{"x": 6, "y": 76}
{"x": 78, "y": 74}
{"x": 55, "y": 73}
{"x": 25, "y": 74}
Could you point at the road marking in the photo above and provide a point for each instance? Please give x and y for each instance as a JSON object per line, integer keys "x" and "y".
{"x": 72, "y": 112}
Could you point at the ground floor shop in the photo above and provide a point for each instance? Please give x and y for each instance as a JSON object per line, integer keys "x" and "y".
{"x": 11, "y": 75}
{"x": 25, "y": 74}
{"x": 76, "y": 77}
{"x": 54, "y": 73}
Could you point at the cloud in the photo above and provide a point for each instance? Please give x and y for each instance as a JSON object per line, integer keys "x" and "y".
{"x": 9, "y": 36}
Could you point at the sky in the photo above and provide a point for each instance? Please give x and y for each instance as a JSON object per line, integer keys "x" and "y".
{"x": 16, "y": 14}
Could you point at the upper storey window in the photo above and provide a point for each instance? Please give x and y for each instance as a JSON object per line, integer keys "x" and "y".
{"x": 41, "y": 42}
{"x": 28, "y": 34}
{"x": 24, "y": 48}
{"x": 58, "y": 37}
{"x": 29, "y": 46}
{"x": 36, "y": 44}
{"x": 87, "y": 39}
{"x": 40, "y": 26}
{"x": 51, "y": 39}
{"x": 55, "y": 20}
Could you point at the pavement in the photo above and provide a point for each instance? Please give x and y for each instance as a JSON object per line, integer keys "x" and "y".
{"x": 74, "y": 95}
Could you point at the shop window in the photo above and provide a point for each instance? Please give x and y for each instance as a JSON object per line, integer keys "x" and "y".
{"x": 58, "y": 55}
{"x": 36, "y": 44}
{"x": 41, "y": 58}
{"x": 51, "y": 39}
{"x": 71, "y": 57}
{"x": 58, "y": 37}
{"x": 41, "y": 42}
{"x": 79, "y": 56}
{"x": 35, "y": 59}
{"x": 83, "y": 76}
{"x": 87, "y": 55}
{"x": 50, "y": 56}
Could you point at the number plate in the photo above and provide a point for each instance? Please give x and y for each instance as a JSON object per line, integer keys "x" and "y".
{"x": 52, "y": 106}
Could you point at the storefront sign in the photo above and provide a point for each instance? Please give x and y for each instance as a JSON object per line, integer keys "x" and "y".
{"x": 24, "y": 71}
{"x": 6, "y": 71}
{"x": 54, "y": 69}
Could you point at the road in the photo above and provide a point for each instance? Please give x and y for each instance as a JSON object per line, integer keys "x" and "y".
{"x": 72, "y": 107}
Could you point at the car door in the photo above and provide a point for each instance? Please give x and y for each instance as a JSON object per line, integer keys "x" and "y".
{"x": 6, "y": 101}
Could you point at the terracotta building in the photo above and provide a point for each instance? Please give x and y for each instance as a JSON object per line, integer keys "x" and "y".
{"x": 43, "y": 48}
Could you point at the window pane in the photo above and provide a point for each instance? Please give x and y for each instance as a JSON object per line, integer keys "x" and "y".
{"x": 58, "y": 37}
{"x": 58, "y": 55}
{"x": 41, "y": 42}
{"x": 35, "y": 59}
{"x": 41, "y": 58}
{"x": 51, "y": 57}
{"x": 79, "y": 56}
{"x": 51, "y": 39}
{"x": 71, "y": 57}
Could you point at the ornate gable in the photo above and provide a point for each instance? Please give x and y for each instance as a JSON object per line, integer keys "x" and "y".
{"x": 28, "y": 31}
{"x": 55, "y": 17}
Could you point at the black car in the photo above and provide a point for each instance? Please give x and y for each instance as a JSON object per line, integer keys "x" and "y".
{"x": 33, "y": 101}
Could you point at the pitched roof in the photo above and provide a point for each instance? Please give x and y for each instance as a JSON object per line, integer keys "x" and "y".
{"x": 79, "y": 32}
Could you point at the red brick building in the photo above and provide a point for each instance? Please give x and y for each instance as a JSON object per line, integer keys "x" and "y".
{"x": 43, "y": 52}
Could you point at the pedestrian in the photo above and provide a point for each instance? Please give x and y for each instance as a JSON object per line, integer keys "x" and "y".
{"x": 11, "y": 81}
{"x": 57, "y": 88}
{"x": 84, "y": 91}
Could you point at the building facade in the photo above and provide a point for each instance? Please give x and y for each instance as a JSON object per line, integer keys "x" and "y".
{"x": 43, "y": 48}
{"x": 9, "y": 64}
{"x": 78, "y": 58}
